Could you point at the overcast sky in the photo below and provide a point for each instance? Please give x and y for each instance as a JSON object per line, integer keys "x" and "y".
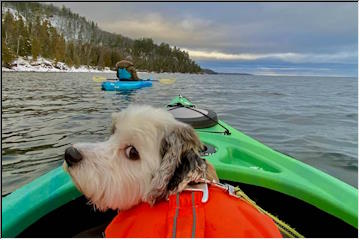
{"x": 262, "y": 38}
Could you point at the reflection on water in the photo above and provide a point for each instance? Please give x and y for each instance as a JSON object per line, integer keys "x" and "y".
{"x": 312, "y": 119}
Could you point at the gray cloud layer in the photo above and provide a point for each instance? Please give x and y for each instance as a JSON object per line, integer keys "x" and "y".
{"x": 289, "y": 31}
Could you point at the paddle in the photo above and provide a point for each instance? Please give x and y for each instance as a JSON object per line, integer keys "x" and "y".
{"x": 162, "y": 81}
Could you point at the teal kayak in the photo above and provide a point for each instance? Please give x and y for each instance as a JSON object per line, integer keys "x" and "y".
{"x": 125, "y": 85}
{"x": 311, "y": 201}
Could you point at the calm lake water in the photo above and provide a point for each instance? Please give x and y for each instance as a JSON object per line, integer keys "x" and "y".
{"x": 313, "y": 119}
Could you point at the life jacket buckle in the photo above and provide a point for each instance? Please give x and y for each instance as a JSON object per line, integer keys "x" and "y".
{"x": 230, "y": 189}
{"x": 200, "y": 187}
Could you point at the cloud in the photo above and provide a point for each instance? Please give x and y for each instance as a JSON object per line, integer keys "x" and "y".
{"x": 338, "y": 57}
{"x": 232, "y": 27}
{"x": 193, "y": 24}
{"x": 173, "y": 31}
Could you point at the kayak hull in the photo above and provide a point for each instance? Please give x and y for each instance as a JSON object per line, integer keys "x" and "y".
{"x": 36, "y": 199}
{"x": 124, "y": 85}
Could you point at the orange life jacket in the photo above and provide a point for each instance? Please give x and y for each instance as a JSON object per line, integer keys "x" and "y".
{"x": 184, "y": 216}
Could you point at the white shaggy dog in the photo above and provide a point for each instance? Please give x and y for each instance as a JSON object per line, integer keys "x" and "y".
{"x": 149, "y": 156}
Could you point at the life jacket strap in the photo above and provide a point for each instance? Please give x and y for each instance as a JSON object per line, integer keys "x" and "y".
{"x": 182, "y": 207}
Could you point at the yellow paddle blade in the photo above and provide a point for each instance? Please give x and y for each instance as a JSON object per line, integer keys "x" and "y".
{"x": 162, "y": 81}
{"x": 167, "y": 81}
{"x": 99, "y": 78}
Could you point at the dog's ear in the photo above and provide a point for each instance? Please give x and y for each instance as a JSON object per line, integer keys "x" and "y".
{"x": 180, "y": 163}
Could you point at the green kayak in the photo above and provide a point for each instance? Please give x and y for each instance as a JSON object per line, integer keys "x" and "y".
{"x": 309, "y": 200}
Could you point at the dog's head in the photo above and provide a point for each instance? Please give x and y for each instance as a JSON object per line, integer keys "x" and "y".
{"x": 148, "y": 156}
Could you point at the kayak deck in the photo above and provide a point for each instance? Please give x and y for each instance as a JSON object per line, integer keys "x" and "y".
{"x": 242, "y": 159}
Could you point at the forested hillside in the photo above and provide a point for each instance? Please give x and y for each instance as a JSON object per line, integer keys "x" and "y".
{"x": 36, "y": 29}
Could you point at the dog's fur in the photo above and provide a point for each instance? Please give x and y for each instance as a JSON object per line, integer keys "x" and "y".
{"x": 169, "y": 160}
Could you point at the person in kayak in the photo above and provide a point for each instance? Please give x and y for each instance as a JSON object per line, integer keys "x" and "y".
{"x": 125, "y": 70}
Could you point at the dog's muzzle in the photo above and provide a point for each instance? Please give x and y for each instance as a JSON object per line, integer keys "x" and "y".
{"x": 72, "y": 156}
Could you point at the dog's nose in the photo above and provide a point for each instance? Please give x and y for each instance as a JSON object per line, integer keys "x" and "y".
{"x": 72, "y": 156}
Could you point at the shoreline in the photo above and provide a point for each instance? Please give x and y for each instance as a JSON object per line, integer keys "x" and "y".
{"x": 42, "y": 65}
{"x": 26, "y": 64}
{"x": 75, "y": 70}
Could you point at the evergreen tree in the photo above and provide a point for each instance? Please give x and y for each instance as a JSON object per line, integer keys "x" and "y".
{"x": 60, "y": 49}
{"x": 35, "y": 48}
{"x": 69, "y": 53}
{"x": 44, "y": 39}
{"x": 8, "y": 30}
{"x": 7, "y": 55}
{"x": 24, "y": 42}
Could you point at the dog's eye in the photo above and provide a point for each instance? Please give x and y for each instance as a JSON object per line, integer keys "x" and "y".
{"x": 131, "y": 153}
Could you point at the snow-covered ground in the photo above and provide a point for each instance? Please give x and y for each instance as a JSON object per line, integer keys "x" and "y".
{"x": 43, "y": 65}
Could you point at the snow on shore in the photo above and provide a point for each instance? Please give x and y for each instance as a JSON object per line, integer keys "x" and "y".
{"x": 43, "y": 65}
